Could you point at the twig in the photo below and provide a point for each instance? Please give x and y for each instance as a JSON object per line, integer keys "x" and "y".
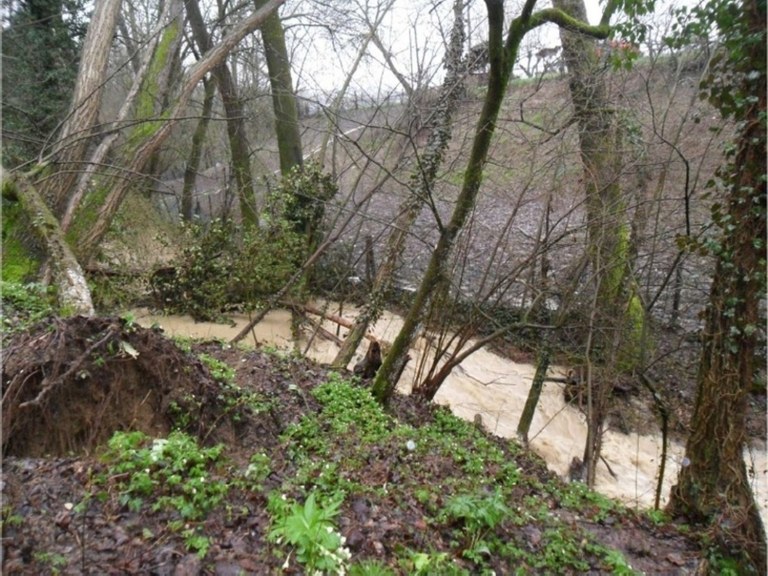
{"x": 48, "y": 386}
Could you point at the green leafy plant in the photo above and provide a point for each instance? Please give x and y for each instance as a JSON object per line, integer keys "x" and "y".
{"x": 425, "y": 564}
{"x": 174, "y": 471}
{"x": 370, "y": 568}
{"x": 55, "y": 561}
{"x": 257, "y": 471}
{"x": 309, "y": 529}
{"x": 478, "y": 516}
{"x": 24, "y": 305}
{"x": 218, "y": 369}
{"x": 618, "y": 563}
{"x": 195, "y": 541}
{"x": 561, "y": 551}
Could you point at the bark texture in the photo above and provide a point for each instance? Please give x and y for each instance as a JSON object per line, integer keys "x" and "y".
{"x": 239, "y": 148}
{"x": 72, "y": 144}
{"x": 714, "y": 487}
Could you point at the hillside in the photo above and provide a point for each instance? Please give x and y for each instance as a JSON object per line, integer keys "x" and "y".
{"x": 278, "y": 466}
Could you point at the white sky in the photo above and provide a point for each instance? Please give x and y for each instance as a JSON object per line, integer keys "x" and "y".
{"x": 412, "y": 32}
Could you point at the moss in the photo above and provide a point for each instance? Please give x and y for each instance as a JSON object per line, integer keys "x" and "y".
{"x": 87, "y": 214}
{"x": 145, "y": 107}
{"x": 635, "y": 339}
{"x": 19, "y": 263}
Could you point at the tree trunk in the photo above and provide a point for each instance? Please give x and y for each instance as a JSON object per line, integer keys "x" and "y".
{"x": 71, "y": 288}
{"x": 524, "y": 425}
{"x": 239, "y": 148}
{"x": 502, "y": 57}
{"x": 196, "y": 152}
{"x": 422, "y": 182}
{"x": 162, "y": 129}
{"x": 99, "y": 156}
{"x": 621, "y": 315}
{"x": 714, "y": 486}
{"x": 72, "y": 144}
{"x": 283, "y": 97}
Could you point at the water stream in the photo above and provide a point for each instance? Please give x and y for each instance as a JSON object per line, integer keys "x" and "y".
{"x": 497, "y": 388}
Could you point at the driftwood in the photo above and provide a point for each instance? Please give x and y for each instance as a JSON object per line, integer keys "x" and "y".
{"x": 309, "y": 309}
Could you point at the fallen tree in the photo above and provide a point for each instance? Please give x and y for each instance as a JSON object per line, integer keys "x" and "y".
{"x": 72, "y": 293}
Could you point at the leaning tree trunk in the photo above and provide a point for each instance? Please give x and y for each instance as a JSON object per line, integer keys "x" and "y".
{"x": 239, "y": 148}
{"x": 714, "y": 487}
{"x": 72, "y": 144}
{"x": 98, "y": 157}
{"x": 161, "y": 130}
{"x": 67, "y": 276}
{"x": 422, "y": 183}
{"x": 502, "y": 57}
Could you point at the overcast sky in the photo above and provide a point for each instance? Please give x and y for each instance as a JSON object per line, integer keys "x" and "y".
{"x": 413, "y": 32}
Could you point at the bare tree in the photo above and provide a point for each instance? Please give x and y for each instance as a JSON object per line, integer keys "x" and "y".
{"x": 502, "y": 55}
{"x": 238, "y": 142}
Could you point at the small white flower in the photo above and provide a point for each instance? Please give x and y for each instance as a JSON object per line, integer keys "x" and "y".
{"x": 411, "y": 445}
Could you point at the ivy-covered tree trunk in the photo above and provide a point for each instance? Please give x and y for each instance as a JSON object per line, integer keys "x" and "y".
{"x": 422, "y": 182}
{"x": 239, "y": 148}
{"x": 713, "y": 485}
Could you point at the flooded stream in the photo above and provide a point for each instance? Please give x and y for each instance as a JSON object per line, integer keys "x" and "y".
{"x": 496, "y": 388}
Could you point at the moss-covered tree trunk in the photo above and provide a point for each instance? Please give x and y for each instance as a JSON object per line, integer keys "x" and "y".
{"x": 67, "y": 276}
{"x": 239, "y": 148}
{"x": 283, "y": 96}
{"x": 621, "y": 314}
{"x": 713, "y": 487}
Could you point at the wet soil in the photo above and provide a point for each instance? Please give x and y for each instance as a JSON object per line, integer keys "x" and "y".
{"x": 69, "y": 384}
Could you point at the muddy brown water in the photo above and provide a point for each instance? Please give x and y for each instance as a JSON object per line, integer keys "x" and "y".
{"x": 495, "y": 388}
